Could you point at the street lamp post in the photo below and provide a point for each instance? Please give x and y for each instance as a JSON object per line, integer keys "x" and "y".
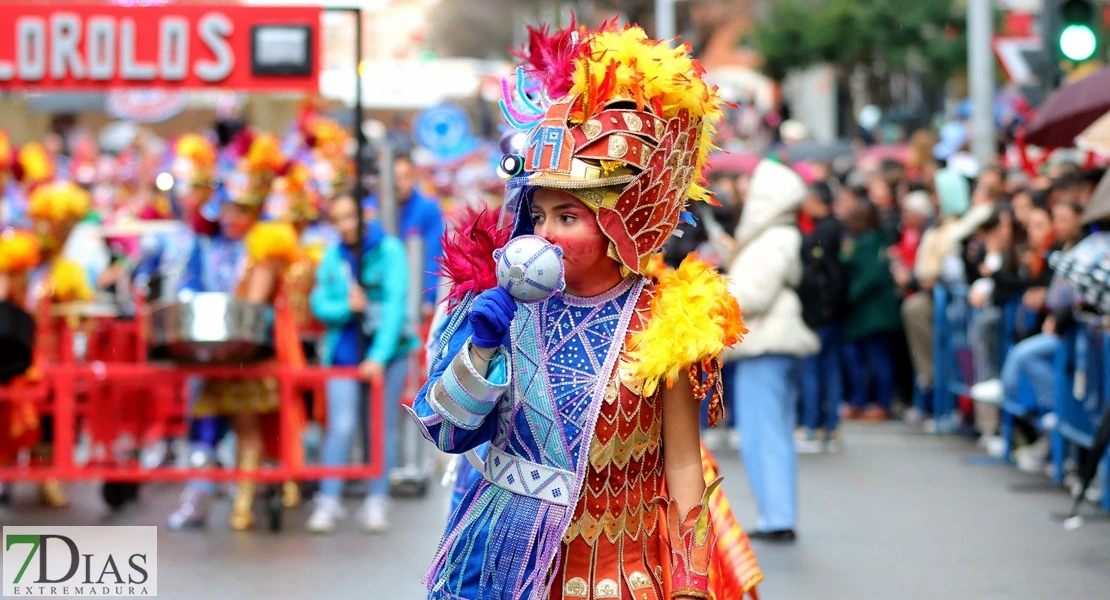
{"x": 981, "y": 76}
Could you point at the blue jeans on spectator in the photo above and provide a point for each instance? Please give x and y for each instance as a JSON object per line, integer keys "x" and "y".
{"x": 871, "y": 367}
{"x": 823, "y": 382}
{"x": 1034, "y": 358}
{"x": 344, "y": 404}
{"x": 766, "y": 413}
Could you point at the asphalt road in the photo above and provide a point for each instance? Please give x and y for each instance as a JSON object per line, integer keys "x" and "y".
{"x": 899, "y": 516}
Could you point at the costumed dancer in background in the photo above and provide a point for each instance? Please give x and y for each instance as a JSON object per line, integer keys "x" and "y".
{"x": 35, "y": 277}
{"x": 246, "y": 259}
{"x": 165, "y": 255}
{"x": 589, "y": 400}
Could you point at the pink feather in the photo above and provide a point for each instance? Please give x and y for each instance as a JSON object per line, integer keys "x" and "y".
{"x": 549, "y": 57}
{"x": 467, "y": 262}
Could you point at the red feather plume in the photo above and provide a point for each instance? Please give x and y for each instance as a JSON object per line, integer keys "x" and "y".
{"x": 467, "y": 262}
{"x": 549, "y": 57}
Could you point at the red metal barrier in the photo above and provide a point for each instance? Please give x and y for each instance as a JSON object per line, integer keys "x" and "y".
{"x": 61, "y": 384}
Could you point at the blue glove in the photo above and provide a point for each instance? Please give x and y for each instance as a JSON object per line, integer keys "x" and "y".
{"x": 490, "y": 316}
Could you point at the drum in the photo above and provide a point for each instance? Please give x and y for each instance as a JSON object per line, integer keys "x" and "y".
{"x": 211, "y": 328}
{"x": 17, "y": 339}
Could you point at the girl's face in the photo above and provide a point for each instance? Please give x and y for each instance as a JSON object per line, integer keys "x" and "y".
{"x": 1039, "y": 228}
{"x": 1066, "y": 223}
{"x": 343, "y": 213}
{"x": 567, "y": 223}
{"x": 1023, "y": 207}
{"x": 237, "y": 220}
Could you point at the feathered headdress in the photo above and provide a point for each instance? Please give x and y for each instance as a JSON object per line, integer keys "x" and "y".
{"x": 467, "y": 262}
{"x": 628, "y": 132}
{"x": 199, "y": 157}
{"x": 58, "y": 202}
{"x": 19, "y": 251}
{"x": 34, "y": 165}
{"x": 300, "y": 199}
{"x": 251, "y": 184}
{"x": 330, "y": 145}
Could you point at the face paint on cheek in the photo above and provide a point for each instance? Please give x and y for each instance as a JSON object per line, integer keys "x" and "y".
{"x": 584, "y": 251}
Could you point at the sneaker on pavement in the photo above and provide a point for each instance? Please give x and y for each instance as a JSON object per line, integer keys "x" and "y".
{"x": 989, "y": 391}
{"x": 374, "y": 514}
{"x": 993, "y": 445}
{"x": 327, "y": 513}
{"x": 833, "y": 445}
{"x": 806, "y": 442}
{"x": 1034, "y": 457}
{"x": 193, "y": 511}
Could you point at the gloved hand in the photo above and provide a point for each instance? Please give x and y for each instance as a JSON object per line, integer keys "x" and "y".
{"x": 490, "y": 316}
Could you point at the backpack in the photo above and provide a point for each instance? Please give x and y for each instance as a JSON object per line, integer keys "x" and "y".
{"x": 824, "y": 284}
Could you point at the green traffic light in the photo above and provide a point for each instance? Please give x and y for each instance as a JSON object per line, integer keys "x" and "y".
{"x": 1078, "y": 42}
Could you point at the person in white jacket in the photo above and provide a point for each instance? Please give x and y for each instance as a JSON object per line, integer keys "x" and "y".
{"x": 763, "y": 276}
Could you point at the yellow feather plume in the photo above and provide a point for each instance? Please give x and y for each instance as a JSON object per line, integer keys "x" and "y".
{"x": 19, "y": 251}
{"x": 58, "y": 201}
{"x": 70, "y": 282}
{"x": 35, "y": 163}
{"x": 272, "y": 241}
{"x": 625, "y": 64}
{"x": 693, "y": 319}
{"x": 264, "y": 156}
{"x": 197, "y": 149}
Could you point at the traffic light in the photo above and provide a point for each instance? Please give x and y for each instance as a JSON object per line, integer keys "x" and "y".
{"x": 1078, "y": 34}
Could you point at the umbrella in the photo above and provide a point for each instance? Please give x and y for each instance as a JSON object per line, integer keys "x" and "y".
{"x": 819, "y": 152}
{"x": 1096, "y": 138}
{"x": 734, "y": 163}
{"x": 1070, "y": 110}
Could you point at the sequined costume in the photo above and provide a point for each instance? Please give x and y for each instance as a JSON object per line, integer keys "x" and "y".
{"x": 572, "y": 500}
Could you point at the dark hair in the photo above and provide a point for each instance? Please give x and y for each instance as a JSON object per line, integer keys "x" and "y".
{"x": 403, "y": 157}
{"x": 1092, "y": 176}
{"x": 1067, "y": 181}
{"x": 823, "y": 192}
{"x": 1039, "y": 198}
{"x": 341, "y": 196}
{"x": 995, "y": 220}
{"x": 863, "y": 218}
{"x": 1073, "y": 206}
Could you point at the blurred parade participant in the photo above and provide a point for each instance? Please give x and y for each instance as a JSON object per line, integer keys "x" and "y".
{"x": 589, "y": 400}
{"x": 35, "y": 276}
{"x": 376, "y": 304}
{"x": 417, "y": 216}
{"x": 763, "y": 277}
{"x": 165, "y": 256}
{"x": 245, "y": 259}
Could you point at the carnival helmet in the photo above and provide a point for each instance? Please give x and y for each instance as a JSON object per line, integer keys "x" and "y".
{"x": 250, "y": 184}
{"x": 622, "y": 122}
{"x": 331, "y": 157}
{"x": 33, "y": 165}
{"x": 294, "y": 196}
{"x": 194, "y": 163}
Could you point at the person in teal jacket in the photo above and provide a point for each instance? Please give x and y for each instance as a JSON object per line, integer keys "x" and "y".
{"x": 873, "y": 316}
{"x": 379, "y": 307}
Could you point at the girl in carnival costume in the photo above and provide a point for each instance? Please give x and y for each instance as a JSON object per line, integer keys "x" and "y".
{"x": 593, "y": 483}
{"x": 247, "y": 258}
{"x": 35, "y": 277}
